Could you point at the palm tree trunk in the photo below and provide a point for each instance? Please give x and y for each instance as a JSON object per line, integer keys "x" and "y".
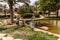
{"x": 57, "y": 13}
{"x": 5, "y": 12}
{"x": 36, "y": 9}
{"x": 11, "y": 10}
{"x": 49, "y": 14}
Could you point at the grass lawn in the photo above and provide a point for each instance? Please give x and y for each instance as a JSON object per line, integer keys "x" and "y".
{"x": 26, "y": 33}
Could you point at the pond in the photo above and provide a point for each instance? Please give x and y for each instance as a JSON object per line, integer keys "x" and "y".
{"x": 56, "y": 27}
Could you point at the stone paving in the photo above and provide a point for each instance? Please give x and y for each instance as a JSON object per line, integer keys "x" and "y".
{"x": 36, "y": 29}
{"x": 6, "y": 37}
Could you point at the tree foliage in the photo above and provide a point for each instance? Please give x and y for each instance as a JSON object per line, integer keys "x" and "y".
{"x": 50, "y": 5}
{"x": 11, "y": 3}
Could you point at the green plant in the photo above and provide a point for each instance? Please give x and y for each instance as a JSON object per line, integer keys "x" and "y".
{"x": 36, "y": 15}
{"x": 16, "y": 36}
{"x": 20, "y": 10}
{"x": 27, "y": 15}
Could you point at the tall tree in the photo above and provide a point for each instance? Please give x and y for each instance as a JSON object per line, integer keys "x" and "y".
{"x": 11, "y": 3}
{"x": 58, "y": 6}
{"x": 5, "y": 10}
{"x": 49, "y": 5}
{"x": 26, "y": 7}
{"x": 36, "y": 5}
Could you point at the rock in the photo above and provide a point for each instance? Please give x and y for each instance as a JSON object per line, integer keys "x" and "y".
{"x": 17, "y": 39}
{"x": 2, "y": 35}
{"x": 58, "y": 39}
{"x": 35, "y": 29}
{"x": 1, "y": 23}
{"x": 20, "y": 23}
{"x": 8, "y": 38}
{"x": 4, "y": 22}
{"x": 8, "y": 22}
{"x": 41, "y": 17}
{"x": 44, "y": 28}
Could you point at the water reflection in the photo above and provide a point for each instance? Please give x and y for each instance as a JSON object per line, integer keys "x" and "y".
{"x": 56, "y": 28}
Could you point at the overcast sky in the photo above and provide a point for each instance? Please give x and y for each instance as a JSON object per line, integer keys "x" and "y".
{"x": 32, "y": 3}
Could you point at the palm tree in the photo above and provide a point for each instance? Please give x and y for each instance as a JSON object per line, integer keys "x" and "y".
{"x": 11, "y": 3}
{"x": 4, "y": 10}
{"x": 26, "y": 7}
{"x": 1, "y": 8}
{"x": 36, "y": 5}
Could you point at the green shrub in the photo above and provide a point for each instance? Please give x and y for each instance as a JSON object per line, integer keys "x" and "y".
{"x": 16, "y": 36}
{"x": 21, "y": 11}
{"x": 37, "y": 15}
{"x": 27, "y": 15}
{"x": 3, "y": 16}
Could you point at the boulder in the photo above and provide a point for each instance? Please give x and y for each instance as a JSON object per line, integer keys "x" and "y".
{"x": 41, "y": 17}
{"x": 7, "y": 38}
{"x": 58, "y": 39}
{"x": 44, "y": 27}
{"x": 5, "y": 23}
{"x": 1, "y": 23}
{"x": 17, "y": 39}
{"x": 2, "y": 35}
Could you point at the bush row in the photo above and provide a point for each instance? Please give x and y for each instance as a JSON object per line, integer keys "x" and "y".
{"x": 3, "y": 16}
{"x": 29, "y": 15}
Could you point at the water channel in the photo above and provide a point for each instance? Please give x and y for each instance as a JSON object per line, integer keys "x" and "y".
{"x": 54, "y": 29}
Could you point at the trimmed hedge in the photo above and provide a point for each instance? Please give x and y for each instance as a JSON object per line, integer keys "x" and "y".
{"x": 37, "y": 15}
{"x": 3, "y": 16}
{"x": 27, "y": 15}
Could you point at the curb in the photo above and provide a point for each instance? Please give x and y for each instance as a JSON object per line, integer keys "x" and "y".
{"x": 36, "y": 29}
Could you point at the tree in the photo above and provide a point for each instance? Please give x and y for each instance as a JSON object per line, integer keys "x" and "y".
{"x": 5, "y": 10}
{"x": 58, "y": 6}
{"x": 36, "y": 5}
{"x": 49, "y": 5}
{"x": 26, "y": 7}
{"x": 20, "y": 11}
{"x": 11, "y": 3}
{"x": 32, "y": 9}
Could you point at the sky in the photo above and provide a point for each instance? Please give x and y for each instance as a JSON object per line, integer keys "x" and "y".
{"x": 32, "y": 3}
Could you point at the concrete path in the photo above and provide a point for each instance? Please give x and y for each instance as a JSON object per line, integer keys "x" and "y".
{"x": 36, "y": 29}
{"x": 7, "y": 37}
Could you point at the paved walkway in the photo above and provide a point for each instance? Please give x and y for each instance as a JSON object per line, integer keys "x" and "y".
{"x": 36, "y": 29}
{"x": 7, "y": 37}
